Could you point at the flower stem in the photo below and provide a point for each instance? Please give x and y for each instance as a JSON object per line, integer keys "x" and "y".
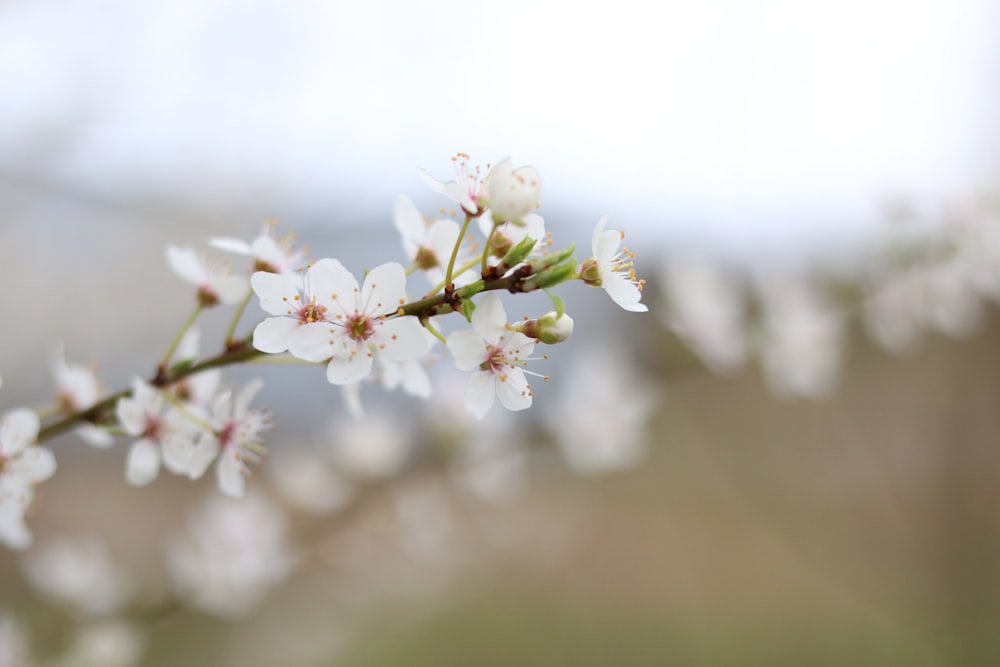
{"x": 231, "y": 331}
{"x": 239, "y": 352}
{"x": 180, "y": 334}
{"x": 486, "y": 247}
{"x": 454, "y": 251}
{"x": 430, "y": 327}
{"x": 462, "y": 269}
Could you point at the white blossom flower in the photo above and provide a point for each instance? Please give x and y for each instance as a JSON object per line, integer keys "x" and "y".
{"x": 294, "y": 303}
{"x": 236, "y": 438}
{"x": 78, "y": 573}
{"x": 360, "y": 324}
{"x": 22, "y": 465}
{"x": 508, "y": 234}
{"x": 707, "y": 309}
{"x": 375, "y": 448}
{"x": 612, "y": 269}
{"x": 230, "y": 555}
{"x": 166, "y": 435}
{"x": 214, "y": 282}
{"x": 599, "y": 421}
{"x": 465, "y": 190}
{"x": 198, "y": 389}
{"x": 77, "y": 390}
{"x": 496, "y": 355}
{"x": 109, "y": 643}
{"x": 511, "y": 194}
{"x": 14, "y": 643}
{"x": 276, "y": 255}
{"x": 801, "y": 339}
{"x": 429, "y": 245}
{"x": 308, "y": 483}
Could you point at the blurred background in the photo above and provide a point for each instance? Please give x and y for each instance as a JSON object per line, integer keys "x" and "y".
{"x": 789, "y": 460}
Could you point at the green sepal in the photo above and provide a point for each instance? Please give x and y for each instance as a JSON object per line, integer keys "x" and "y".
{"x": 518, "y": 253}
{"x": 467, "y": 309}
{"x": 557, "y": 301}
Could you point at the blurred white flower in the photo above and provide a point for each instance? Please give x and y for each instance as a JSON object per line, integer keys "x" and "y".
{"x": 706, "y": 307}
{"x": 801, "y": 339}
{"x": 214, "y": 281}
{"x": 77, "y": 389}
{"x": 78, "y": 573}
{"x": 198, "y": 389}
{"x": 231, "y": 554}
{"x": 277, "y": 255}
{"x": 508, "y": 234}
{"x": 492, "y": 463}
{"x": 14, "y": 643}
{"x": 374, "y": 448}
{"x": 429, "y": 245}
{"x": 306, "y": 482}
{"x": 236, "y": 439}
{"x": 599, "y": 420}
{"x": 113, "y": 643}
{"x": 22, "y": 465}
{"x": 892, "y": 310}
{"x": 166, "y": 435}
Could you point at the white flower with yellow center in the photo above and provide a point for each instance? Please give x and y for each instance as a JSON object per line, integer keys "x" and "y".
{"x": 497, "y": 355}
{"x": 360, "y": 323}
{"x": 612, "y": 268}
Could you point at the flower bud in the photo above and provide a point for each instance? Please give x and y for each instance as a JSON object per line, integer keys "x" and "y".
{"x": 512, "y": 193}
{"x": 549, "y": 328}
{"x": 590, "y": 272}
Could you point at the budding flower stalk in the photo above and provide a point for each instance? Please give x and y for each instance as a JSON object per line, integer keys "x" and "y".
{"x": 550, "y": 328}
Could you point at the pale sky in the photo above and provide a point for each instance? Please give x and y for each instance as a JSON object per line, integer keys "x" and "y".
{"x": 744, "y": 122}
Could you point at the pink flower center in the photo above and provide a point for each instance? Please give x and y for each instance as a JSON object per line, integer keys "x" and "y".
{"x": 360, "y": 327}
{"x": 312, "y": 312}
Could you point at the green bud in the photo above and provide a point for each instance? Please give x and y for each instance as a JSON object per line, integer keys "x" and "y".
{"x": 553, "y": 275}
{"x": 590, "y": 272}
{"x": 550, "y": 328}
{"x": 517, "y": 254}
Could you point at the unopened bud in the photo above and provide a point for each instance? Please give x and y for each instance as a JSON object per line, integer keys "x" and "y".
{"x": 590, "y": 272}
{"x": 549, "y": 328}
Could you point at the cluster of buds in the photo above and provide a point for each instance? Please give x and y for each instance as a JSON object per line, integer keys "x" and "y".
{"x": 317, "y": 312}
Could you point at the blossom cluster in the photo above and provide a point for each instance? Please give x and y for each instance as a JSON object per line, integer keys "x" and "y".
{"x": 374, "y": 328}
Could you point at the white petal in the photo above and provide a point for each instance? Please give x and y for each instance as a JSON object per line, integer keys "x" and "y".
{"x": 186, "y": 263}
{"x": 19, "y": 429}
{"x": 235, "y": 246}
{"x": 230, "y": 289}
{"x": 332, "y": 286}
{"x": 13, "y": 532}
{"x": 489, "y": 318}
{"x": 279, "y": 295}
{"x": 468, "y": 349}
{"x": 246, "y": 395}
{"x": 479, "y": 394}
{"x": 623, "y": 292}
{"x": 35, "y": 464}
{"x": 266, "y": 250}
{"x": 315, "y": 341}
{"x": 513, "y": 391}
{"x": 230, "y": 477}
{"x": 410, "y": 225}
{"x": 598, "y": 231}
{"x": 272, "y": 335}
{"x": 403, "y": 338}
{"x": 415, "y": 380}
{"x": 350, "y": 368}
{"x": 607, "y": 247}
{"x": 94, "y": 436}
{"x": 385, "y": 289}
{"x": 188, "y": 347}
{"x": 202, "y": 455}
{"x": 143, "y": 463}
{"x": 351, "y": 394}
